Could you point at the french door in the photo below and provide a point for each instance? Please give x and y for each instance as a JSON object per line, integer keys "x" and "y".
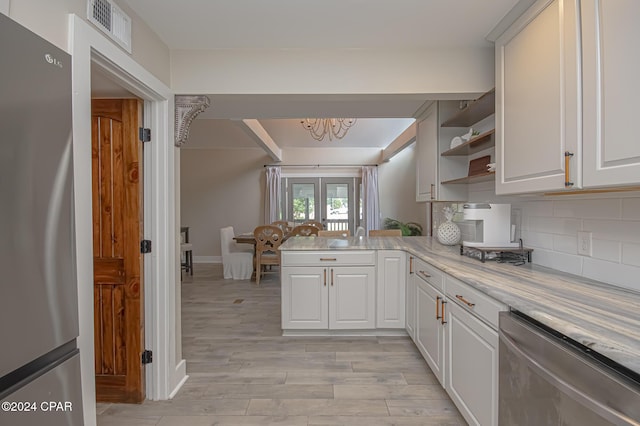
{"x": 333, "y": 201}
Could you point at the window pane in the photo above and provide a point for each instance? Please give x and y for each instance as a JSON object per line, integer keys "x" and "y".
{"x": 337, "y": 203}
{"x": 303, "y": 201}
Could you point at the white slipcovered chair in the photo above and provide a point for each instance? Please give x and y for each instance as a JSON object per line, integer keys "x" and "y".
{"x": 237, "y": 263}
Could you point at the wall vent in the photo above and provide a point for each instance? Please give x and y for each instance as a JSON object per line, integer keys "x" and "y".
{"x": 107, "y": 16}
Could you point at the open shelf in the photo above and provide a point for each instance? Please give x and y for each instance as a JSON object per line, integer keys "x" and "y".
{"x": 482, "y": 177}
{"x": 477, "y": 110}
{"x": 473, "y": 145}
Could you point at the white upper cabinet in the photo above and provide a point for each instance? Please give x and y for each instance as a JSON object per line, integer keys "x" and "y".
{"x": 537, "y": 100}
{"x": 567, "y": 89}
{"x": 427, "y": 158}
{"x": 611, "y": 70}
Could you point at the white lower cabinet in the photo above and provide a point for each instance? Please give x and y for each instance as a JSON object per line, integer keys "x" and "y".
{"x": 472, "y": 366}
{"x": 305, "y": 297}
{"x": 391, "y": 287}
{"x": 430, "y": 323}
{"x": 456, "y": 333}
{"x": 352, "y": 297}
{"x": 410, "y": 305}
{"x": 472, "y": 352}
{"x": 337, "y": 297}
{"x": 325, "y": 290}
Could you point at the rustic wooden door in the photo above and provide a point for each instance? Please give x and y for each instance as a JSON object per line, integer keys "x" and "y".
{"x": 118, "y": 262}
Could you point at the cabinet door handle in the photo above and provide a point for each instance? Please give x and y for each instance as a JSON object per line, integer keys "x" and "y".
{"x": 331, "y": 277}
{"x": 465, "y": 301}
{"x": 567, "y": 175}
{"x": 328, "y": 259}
{"x": 325, "y": 277}
{"x": 438, "y": 307}
{"x": 432, "y": 190}
{"x": 442, "y": 321}
{"x": 424, "y": 274}
{"x": 410, "y": 264}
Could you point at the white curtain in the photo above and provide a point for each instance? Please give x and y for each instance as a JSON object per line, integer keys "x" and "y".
{"x": 272, "y": 194}
{"x": 370, "y": 198}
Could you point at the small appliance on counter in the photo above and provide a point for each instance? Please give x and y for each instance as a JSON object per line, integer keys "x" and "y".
{"x": 493, "y": 224}
{"x": 493, "y": 228}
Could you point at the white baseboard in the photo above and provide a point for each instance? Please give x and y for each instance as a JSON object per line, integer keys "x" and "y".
{"x": 207, "y": 259}
{"x": 180, "y": 377}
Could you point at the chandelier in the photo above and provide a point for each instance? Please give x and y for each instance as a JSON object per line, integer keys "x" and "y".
{"x": 334, "y": 127}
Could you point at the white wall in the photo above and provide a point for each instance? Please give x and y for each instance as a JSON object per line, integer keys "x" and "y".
{"x": 49, "y": 19}
{"x": 338, "y": 71}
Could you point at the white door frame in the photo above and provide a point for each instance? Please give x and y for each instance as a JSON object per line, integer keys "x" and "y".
{"x": 167, "y": 372}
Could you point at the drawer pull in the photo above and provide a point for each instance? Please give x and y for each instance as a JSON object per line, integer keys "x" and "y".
{"x": 438, "y": 307}
{"x": 442, "y": 321}
{"x": 328, "y": 259}
{"x": 465, "y": 301}
{"x": 424, "y": 274}
{"x": 325, "y": 277}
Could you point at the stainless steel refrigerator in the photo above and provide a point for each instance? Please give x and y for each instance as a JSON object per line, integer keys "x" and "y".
{"x": 39, "y": 358}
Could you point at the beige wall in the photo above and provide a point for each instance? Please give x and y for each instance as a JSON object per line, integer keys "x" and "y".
{"x": 221, "y": 187}
{"x": 397, "y": 185}
{"x": 49, "y": 19}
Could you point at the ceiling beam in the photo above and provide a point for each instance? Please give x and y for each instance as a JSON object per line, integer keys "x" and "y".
{"x": 255, "y": 130}
{"x": 405, "y": 139}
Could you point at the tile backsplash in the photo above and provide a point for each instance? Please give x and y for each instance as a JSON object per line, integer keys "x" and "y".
{"x": 550, "y": 226}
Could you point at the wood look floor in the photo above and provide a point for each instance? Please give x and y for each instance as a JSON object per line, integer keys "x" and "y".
{"x": 242, "y": 371}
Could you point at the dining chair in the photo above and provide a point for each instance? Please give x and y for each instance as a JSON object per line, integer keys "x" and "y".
{"x": 385, "y": 233}
{"x": 268, "y": 239}
{"x": 186, "y": 252}
{"x": 315, "y": 223}
{"x": 237, "y": 263}
{"x": 284, "y": 225}
{"x": 340, "y": 234}
{"x": 304, "y": 231}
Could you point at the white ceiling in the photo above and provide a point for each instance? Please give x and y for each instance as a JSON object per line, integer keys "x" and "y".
{"x": 310, "y": 24}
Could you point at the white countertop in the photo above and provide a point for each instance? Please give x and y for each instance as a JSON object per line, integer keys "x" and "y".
{"x": 602, "y": 317}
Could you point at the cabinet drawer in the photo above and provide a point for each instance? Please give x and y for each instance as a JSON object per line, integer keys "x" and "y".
{"x": 430, "y": 274}
{"x": 475, "y": 301}
{"x": 328, "y": 258}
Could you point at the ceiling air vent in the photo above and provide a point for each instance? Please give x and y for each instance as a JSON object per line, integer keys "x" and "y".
{"x": 107, "y": 16}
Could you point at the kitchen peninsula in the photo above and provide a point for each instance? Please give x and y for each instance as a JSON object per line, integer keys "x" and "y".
{"x": 450, "y": 305}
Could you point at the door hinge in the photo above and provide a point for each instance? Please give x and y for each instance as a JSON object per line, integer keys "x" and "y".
{"x": 145, "y": 134}
{"x": 145, "y": 246}
{"x": 147, "y": 356}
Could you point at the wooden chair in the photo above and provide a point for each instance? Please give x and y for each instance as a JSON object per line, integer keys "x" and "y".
{"x": 314, "y": 223}
{"x": 385, "y": 233}
{"x": 284, "y": 225}
{"x": 339, "y": 234}
{"x": 268, "y": 239}
{"x": 304, "y": 231}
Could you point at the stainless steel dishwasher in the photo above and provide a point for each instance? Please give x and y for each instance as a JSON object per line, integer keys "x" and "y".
{"x": 548, "y": 379}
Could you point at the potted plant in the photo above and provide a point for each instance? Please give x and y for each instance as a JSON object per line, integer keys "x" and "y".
{"x": 408, "y": 229}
